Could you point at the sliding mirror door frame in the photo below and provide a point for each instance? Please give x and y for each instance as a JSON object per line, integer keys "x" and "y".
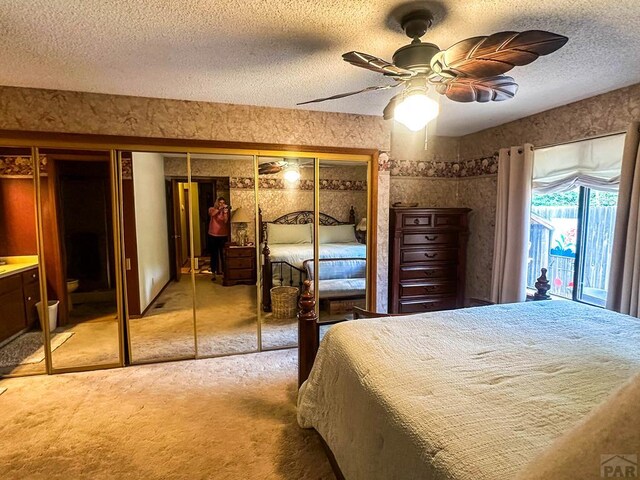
{"x": 113, "y": 144}
{"x": 371, "y": 209}
{"x": 115, "y": 219}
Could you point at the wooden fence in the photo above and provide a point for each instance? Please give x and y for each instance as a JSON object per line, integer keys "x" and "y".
{"x": 597, "y": 252}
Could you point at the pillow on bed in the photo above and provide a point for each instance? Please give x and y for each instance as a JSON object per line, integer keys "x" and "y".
{"x": 338, "y": 234}
{"x": 277, "y": 233}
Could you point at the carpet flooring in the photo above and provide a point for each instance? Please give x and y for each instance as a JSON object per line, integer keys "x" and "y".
{"x": 219, "y": 418}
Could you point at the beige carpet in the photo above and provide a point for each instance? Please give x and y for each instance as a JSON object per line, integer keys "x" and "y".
{"x": 222, "y": 418}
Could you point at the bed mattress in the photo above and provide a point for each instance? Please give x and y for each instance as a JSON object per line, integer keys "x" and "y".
{"x": 468, "y": 394}
{"x": 297, "y": 253}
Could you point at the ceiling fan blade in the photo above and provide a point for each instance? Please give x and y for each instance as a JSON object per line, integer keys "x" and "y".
{"x": 496, "y": 54}
{"x": 491, "y": 89}
{"x": 364, "y": 60}
{"x": 342, "y": 95}
{"x": 268, "y": 168}
{"x": 387, "y": 113}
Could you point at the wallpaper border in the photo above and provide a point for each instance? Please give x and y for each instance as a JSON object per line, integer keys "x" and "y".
{"x": 429, "y": 169}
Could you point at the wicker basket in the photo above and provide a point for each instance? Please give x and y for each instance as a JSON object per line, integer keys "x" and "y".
{"x": 284, "y": 302}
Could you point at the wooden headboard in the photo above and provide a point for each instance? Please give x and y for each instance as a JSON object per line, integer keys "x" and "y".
{"x": 302, "y": 217}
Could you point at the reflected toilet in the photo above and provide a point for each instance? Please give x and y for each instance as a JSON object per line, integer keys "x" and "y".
{"x": 72, "y": 286}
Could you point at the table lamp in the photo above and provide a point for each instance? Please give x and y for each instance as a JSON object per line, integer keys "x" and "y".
{"x": 241, "y": 218}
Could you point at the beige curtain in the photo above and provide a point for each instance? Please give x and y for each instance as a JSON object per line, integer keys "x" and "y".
{"x": 624, "y": 277}
{"x": 511, "y": 245}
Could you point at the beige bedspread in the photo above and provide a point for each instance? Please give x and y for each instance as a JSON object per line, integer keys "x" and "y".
{"x": 469, "y": 394}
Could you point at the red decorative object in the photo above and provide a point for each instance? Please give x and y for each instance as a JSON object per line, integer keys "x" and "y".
{"x": 557, "y": 282}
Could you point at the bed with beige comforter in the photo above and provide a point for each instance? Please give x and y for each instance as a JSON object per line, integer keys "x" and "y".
{"x": 470, "y": 394}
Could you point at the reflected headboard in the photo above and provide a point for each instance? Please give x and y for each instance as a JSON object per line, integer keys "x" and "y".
{"x": 302, "y": 217}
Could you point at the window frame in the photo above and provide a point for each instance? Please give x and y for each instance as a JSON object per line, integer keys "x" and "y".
{"x": 584, "y": 202}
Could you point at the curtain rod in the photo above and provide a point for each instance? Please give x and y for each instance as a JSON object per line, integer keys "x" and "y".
{"x": 612, "y": 134}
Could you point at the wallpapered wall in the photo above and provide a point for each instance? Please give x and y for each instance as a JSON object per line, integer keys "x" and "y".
{"x": 449, "y": 172}
{"x": 467, "y": 178}
{"x": 79, "y": 112}
{"x": 607, "y": 113}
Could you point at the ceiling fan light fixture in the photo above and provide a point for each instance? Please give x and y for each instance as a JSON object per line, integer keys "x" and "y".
{"x": 292, "y": 173}
{"x": 416, "y": 109}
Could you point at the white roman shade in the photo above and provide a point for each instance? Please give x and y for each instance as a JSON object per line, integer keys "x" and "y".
{"x": 591, "y": 163}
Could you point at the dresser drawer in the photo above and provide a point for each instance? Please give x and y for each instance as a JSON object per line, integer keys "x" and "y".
{"x": 239, "y": 262}
{"x": 426, "y": 305}
{"x": 240, "y": 252}
{"x": 428, "y": 255}
{"x": 432, "y": 288}
{"x": 239, "y": 274}
{"x": 443, "y": 220}
{"x": 448, "y": 238}
{"x": 427, "y": 273}
{"x": 30, "y": 276}
{"x": 417, "y": 220}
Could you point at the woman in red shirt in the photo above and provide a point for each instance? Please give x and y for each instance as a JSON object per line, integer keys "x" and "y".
{"x": 218, "y": 234}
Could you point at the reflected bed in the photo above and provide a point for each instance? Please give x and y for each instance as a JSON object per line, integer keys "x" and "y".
{"x": 284, "y": 262}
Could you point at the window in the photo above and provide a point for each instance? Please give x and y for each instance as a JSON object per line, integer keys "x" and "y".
{"x": 571, "y": 234}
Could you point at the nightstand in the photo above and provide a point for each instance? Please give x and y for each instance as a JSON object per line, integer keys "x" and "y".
{"x": 239, "y": 265}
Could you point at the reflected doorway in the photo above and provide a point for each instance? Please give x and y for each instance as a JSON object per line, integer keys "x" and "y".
{"x": 79, "y": 221}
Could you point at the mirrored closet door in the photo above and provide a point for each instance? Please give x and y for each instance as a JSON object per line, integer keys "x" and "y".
{"x": 340, "y": 272}
{"x": 287, "y": 211}
{"x": 158, "y": 216}
{"x": 80, "y": 231}
{"x": 224, "y": 239}
{"x": 22, "y": 339}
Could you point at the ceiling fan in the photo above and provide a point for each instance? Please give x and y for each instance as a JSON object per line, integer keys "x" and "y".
{"x": 469, "y": 71}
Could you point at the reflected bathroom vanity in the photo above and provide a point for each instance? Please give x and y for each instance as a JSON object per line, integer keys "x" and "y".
{"x": 19, "y": 293}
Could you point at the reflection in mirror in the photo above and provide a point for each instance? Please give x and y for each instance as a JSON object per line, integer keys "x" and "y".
{"x": 224, "y": 241}
{"x": 157, "y": 246}
{"x": 79, "y": 253}
{"x": 21, "y": 335}
{"x": 342, "y": 263}
{"x": 286, "y": 201}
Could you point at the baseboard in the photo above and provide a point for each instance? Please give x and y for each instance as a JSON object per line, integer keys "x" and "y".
{"x": 477, "y": 302}
{"x": 13, "y": 337}
{"x": 144, "y": 312}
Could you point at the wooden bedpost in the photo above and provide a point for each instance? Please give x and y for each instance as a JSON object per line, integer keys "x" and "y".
{"x": 352, "y": 216}
{"x": 267, "y": 278}
{"x": 308, "y": 332}
{"x": 542, "y": 287}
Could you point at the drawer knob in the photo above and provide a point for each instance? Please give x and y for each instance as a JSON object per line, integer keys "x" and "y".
{"x": 431, "y": 239}
{"x": 427, "y": 273}
{"x": 429, "y": 288}
{"x": 416, "y": 221}
{"x": 33, "y": 275}
{"x": 430, "y": 255}
{"x": 28, "y": 299}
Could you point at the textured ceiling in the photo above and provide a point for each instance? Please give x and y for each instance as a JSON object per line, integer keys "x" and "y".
{"x": 279, "y": 52}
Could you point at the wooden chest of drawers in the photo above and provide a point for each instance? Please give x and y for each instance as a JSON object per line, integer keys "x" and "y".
{"x": 239, "y": 265}
{"x": 427, "y": 259}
